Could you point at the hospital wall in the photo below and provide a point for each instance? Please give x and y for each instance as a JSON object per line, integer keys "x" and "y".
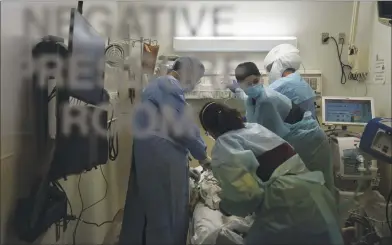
{"x": 379, "y": 42}
{"x": 305, "y": 20}
{"x": 18, "y": 168}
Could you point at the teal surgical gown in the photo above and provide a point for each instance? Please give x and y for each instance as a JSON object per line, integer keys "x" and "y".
{"x": 297, "y": 90}
{"x": 292, "y": 207}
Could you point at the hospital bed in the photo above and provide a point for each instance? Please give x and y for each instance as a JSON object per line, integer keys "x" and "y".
{"x": 208, "y": 225}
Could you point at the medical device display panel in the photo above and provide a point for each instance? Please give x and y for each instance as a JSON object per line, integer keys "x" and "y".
{"x": 347, "y": 111}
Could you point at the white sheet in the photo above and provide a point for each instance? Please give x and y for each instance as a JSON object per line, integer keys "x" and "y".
{"x": 211, "y": 226}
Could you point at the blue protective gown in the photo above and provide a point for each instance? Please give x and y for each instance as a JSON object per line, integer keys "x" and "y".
{"x": 297, "y": 90}
{"x": 268, "y": 110}
{"x": 308, "y": 139}
{"x": 156, "y": 208}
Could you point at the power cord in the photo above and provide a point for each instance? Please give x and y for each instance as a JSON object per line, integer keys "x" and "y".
{"x": 73, "y": 217}
{"x": 343, "y": 77}
{"x": 330, "y": 131}
{"x": 113, "y": 140}
{"x": 389, "y": 222}
{"x": 80, "y": 214}
{"x": 79, "y": 218}
{"x": 52, "y": 94}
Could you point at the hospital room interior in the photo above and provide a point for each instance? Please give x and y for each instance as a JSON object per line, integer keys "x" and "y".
{"x": 66, "y": 185}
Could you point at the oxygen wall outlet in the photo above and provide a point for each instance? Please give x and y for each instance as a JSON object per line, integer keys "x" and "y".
{"x": 324, "y": 38}
{"x": 342, "y": 38}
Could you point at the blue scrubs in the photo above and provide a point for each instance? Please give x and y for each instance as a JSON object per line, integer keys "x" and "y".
{"x": 297, "y": 90}
{"x": 156, "y": 208}
{"x": 269, "y": 109}
{"x": 308, "y": 139}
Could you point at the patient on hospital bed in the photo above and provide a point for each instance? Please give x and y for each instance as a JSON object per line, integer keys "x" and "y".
{"x": 209, "y": 225}
{"x": 260, "y": 174}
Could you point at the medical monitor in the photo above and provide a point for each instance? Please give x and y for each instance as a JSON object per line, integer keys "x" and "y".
{"x": 385, "y": 12}
{"x": 87, "y": 51}
{"x": 347, "y": 110}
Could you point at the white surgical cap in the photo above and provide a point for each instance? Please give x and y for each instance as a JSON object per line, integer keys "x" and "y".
{"x": 282, "y": 57}
{"x": 191, "y": 71}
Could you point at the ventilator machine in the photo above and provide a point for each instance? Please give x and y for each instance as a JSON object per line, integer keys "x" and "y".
{"x": 376, "y": 140}
{"x": 349, "y": 161}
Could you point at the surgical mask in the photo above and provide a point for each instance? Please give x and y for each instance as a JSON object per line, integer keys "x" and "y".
{"x": 254, "y": 91}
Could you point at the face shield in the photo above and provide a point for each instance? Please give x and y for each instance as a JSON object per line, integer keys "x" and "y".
{"x": 190, "y": 72}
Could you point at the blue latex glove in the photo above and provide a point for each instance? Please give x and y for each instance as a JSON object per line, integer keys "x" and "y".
{"x": 233, "y": 86}
{"x": 244, "y": 119}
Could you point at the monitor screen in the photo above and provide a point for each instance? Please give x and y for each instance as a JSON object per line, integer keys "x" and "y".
{"x": 385, "y": 9}
{"x": 87, "y": 52}
{"x": 347, "y": 111}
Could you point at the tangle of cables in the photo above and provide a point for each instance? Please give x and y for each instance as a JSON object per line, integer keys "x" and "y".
{"x": 358, "y": 76}
{"x": 387, "y": 212}
{"x": 113, "y": 139}
{"x": 343, "y": 67}
{"x": 113, "y": 135}
{"x": 83, "y": 209}
{"x": 52, "y": 94}
{"x": 79, "y": 219}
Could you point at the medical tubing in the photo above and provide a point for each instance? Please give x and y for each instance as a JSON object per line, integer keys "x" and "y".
{"x": 113, "y": 143}
{"x": 389, "y": 222}
{"x": 205, "y": 179}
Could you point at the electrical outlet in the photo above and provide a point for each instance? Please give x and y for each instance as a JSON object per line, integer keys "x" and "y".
{"x": 114, "y": 95}
{"x": 324, "y": 38}
{"x": 342, "y": 38}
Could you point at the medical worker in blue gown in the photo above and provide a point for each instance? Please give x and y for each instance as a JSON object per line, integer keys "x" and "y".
{"x": 282, "y": 116}
{"x": 281, "y": 63}
{"x": 261, "y": 174}
{"x": 156, "y": 208}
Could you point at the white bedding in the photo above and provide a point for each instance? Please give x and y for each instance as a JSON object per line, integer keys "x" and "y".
{"x": 209, "y": 225}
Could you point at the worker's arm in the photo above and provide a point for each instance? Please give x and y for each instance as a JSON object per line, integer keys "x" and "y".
{"x": 237, "y": 91}
{"x": 188, "y": 133}
{"x": 195, "y": 144}
{"x": 241, "y": 193}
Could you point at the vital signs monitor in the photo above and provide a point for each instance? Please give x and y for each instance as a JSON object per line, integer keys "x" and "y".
{"x": 347, "y": 110}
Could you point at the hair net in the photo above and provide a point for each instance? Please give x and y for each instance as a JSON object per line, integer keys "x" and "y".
{"x": 190, "y": 70}
{"x": 282, "y": 57}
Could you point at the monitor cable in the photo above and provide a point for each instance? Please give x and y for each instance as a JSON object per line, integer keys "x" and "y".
{"x": 113, "y": 139}
{"x": 52, "y": 94}
{"x": 343, "y": 67}
{"x": 387, "y": 211}
{"x": 83, "y": 209}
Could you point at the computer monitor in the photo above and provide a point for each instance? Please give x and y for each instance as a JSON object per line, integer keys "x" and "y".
{"x": 385, "y": 12}
{"x": 347, "y": 110}
{"x": 86, "y": 42}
